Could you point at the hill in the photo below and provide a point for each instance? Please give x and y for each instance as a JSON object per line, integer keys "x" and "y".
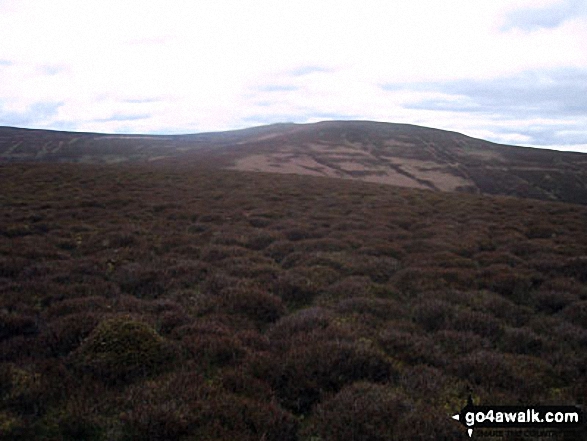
{"x": 394, "y": 154}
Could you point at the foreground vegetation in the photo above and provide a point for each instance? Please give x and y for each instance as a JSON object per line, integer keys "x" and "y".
{"x": 144, "y": 302}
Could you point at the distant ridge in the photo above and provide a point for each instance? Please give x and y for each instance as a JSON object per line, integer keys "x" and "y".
{"x": 394, "y": 154}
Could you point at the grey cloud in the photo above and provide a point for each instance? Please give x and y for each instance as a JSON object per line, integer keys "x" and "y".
{"x": 49, "y": 69}
{"x": 545, "y": 17}
{"x": 142, "y": 100}
{"x": 306, "y": 70}
{"x": 34, "y": 115}
{"x": 302, "y": 117}
{"x": 269, "y": 119}
{"x": 278, "y": 88}
{"x": 560, "y": 134}
{"x": 124, "y": 117}
{"x": 537, "y": 94}
{"x": 559, "y": 94}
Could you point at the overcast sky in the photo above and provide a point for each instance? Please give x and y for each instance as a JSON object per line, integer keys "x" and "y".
{"x": 510, "y": 71}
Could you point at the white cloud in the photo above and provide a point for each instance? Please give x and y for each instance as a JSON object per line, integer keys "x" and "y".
{"x": 186, "y": 66}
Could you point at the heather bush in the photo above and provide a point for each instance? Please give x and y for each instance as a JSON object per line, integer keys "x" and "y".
{"x": 305, "y": 373}
{"x": 454, "y": 343}
{"x": 212, "y": 350}
{"x": 550, "y": 302}
{"x": 372, "y": 308}
{"x": 215, "y": 253}
{"x": 140, "y": 280}
{"x": 378, "y": 268}
{"x": 305, "y": 320}
{"x": 427, "y": 422}
{"x": 528, "y": 378}
{"x": 431, "y": 385}
{"x": 216, "y": 282}
{"x": 323, "y": 245}
{"x": 294, "y": 289}
{"x": 90, "y": 304}
{"x": 382, "y": 250}
{"x": 512, "y": 284}
{"x": 121, "y": 349}
{"x": 169, "y": 321}
{"x": 186, "y": 406}
{"x": 301, "y": 233}
{"x": 14, "y": 324}
{"x": 255, "y": 304}
{"x": 319, "y": 276}
{"x": 11, "y": 266}
{"x": 415, "y": 280}
{"x": 410, "y": 347}
{"x": 346, "y": 288}
{"x": 235, "y": 380}
{"x": 433, "y": 314}
{"x": 279, "y": 250}
{"x": 361, "y": 411}
{"x": 576, "y": 313}
{"x": 488, "y": 258}
{"x": 259, "y": 240}
{"x": 185, "y": 273}
{"x": 521, "y": 341}
{"x": 477, "y": 322}
{"x": 256, "y": 269}
{"x": 576, "y": 268}
{"x": 65, "y": 333}
{"x": 20, "y": 390}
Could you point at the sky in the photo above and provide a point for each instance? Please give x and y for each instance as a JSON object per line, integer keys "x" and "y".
{"x": 509, "y": 71}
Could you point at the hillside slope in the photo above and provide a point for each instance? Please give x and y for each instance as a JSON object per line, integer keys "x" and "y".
{"x": 395, "y": 154}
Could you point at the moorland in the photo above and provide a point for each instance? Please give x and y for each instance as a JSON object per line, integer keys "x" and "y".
{"x": 182, "y": 300}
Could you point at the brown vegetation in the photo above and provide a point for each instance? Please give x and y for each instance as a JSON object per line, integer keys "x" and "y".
{"x": 151, "y": 302}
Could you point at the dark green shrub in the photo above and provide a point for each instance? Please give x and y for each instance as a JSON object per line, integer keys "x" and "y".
{"x": 121, "y": 349}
